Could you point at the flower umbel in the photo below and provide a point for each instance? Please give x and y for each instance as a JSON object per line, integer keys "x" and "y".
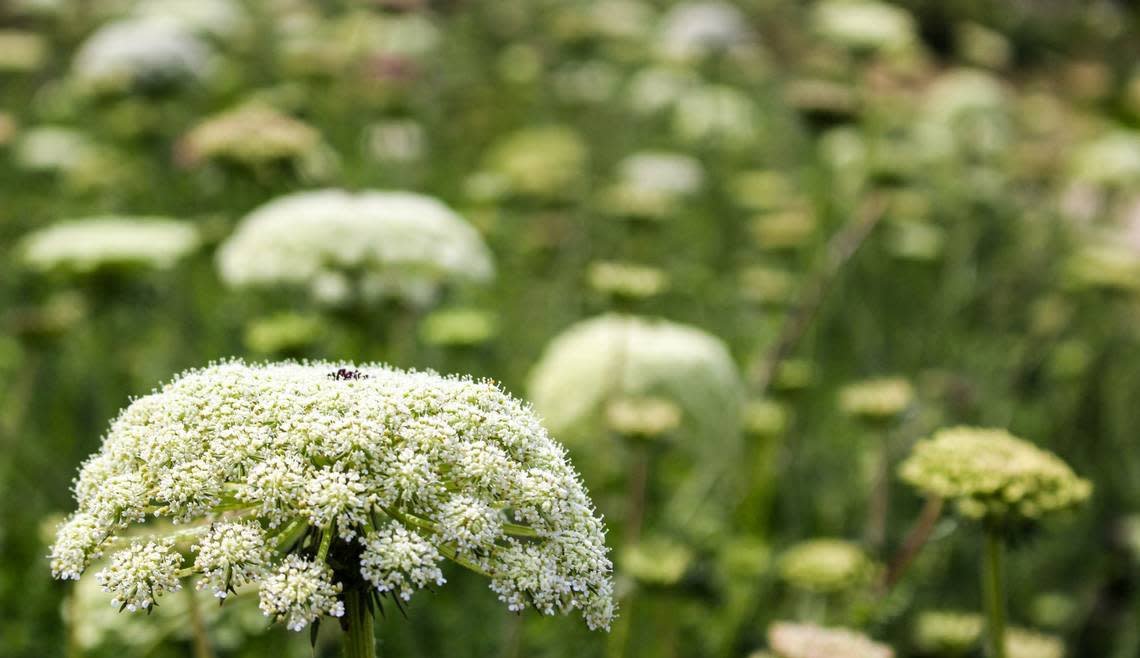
{"x": 309, "y": 485}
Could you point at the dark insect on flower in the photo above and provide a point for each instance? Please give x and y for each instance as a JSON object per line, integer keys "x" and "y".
{"x": 345, "y": 374}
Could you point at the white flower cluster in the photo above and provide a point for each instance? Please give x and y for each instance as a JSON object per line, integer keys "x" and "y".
{"x": 369, "y": 245}
{"x": 140, "y": 53}
{"x": 87, "y": 245}
{"x": 612, "y": 355}
{"x": 396, "y": 559}
{"x": 277, "y": 467}
{"x": 865, "y": 25}
{"x": 690, "y": 30}
{"x": 231, "y": 555}
{"x": 141, "y": 573}
{"x": 300, "y": 591}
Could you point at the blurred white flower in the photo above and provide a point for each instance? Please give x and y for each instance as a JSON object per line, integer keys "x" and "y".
{"x": 718, "y": 114}
{"x": 691, "y": 30}
{"x": 134, "y": 54}
{"x": 86, "y": 245}
{"x": 597, "y": 360}
{"x": 372, "y": 244}
{"x": 865, "y": 25}
{"x": 215, "y": 18}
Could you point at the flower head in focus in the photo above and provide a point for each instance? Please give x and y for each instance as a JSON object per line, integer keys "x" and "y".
{"x": 307, "y": 480}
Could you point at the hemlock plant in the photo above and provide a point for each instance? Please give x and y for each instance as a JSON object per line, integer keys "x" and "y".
{"x": 331, "y": 487}
{"x": 1005, "y": 483}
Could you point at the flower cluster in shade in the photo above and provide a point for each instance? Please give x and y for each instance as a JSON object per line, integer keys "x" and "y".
{"x": 140, "y": 54}
{"x": 876, "y": 400}
{"x": 991, "y": 475}
{"x": 955, "y": 633}
{"x": 608, "y": 357}
{"x": 273, "y": 468}
{"x": 344, "y": 246}
{"x": 826, "y": 566}
{"x": 792, "y": 640}
{"x": 87, "y": 245}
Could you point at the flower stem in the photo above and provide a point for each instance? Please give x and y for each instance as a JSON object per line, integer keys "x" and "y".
{"x": 993, "y": 588}
{"x": 357, "y": 640}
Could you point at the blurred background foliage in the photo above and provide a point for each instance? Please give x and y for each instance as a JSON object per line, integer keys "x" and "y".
{"x": 896, "y": 217}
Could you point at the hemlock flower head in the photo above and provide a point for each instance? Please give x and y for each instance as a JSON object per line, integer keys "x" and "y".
{"x": 717, "y": 114}
{"x": 541, "y": 162}
{"x": 992, "y": 475}
{"x": 642, "y": 417}
{"x": 216, "y": 18}
{"x": 651, "y": 184}
{"x": 624, "y": 280}
{"x": 312, "y": 480}
{"x": 791, "y": 640}
{"x": 610, "y": 356}
{"x": 86, "y": 245}
{"x": 948, "y": 633}
{"x": 1024, "y": 643}
{"x": 876, "y": 400}
{"x": 251, "y": 135}
{"x": 366, "y": 245}
{"x": 694, "y": 29}
{"x": 865, "y": 25}
{"x": 657, "y": 561}
{"x": 140, "y": 54}
{"x": 826, "y": 566}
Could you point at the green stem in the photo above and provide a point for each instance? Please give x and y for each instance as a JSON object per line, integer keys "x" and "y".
{"x": 357, "y": 640}
{"x": 993, "y": 588}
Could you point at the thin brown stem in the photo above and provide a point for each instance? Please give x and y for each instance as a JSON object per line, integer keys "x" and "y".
{"x": 919, "y": 534}
{"x": 840, "y": 249}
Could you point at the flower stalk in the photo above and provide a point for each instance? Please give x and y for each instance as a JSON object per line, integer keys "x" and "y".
{"x": 357, "y": 641}
{"x": 993, "y": 588}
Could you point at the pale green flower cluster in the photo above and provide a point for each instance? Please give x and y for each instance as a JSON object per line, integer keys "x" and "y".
{"x": 642, "y": 417}
{"x": 865, "y": 25}
{"x": 657, "y": 561}
{"x": 87, "y": 245}
{"x": 791, "y": 640}
{"x": 876, "y": 400}
{"x": 948, "y": 633}
{"x": 951, "y": 633}
{"x": 541, "y": 162}
{"x": 626, "y": 280}
{"x": 138, "y": 53}
{"x": 364, "y": 246}
{"x": 992, "y": 475}
{"x": 303, "y": 479}
{"x": 1024, "y": 643}
{"x": 826, "y": 566}
{"x": 601, "y": 359}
